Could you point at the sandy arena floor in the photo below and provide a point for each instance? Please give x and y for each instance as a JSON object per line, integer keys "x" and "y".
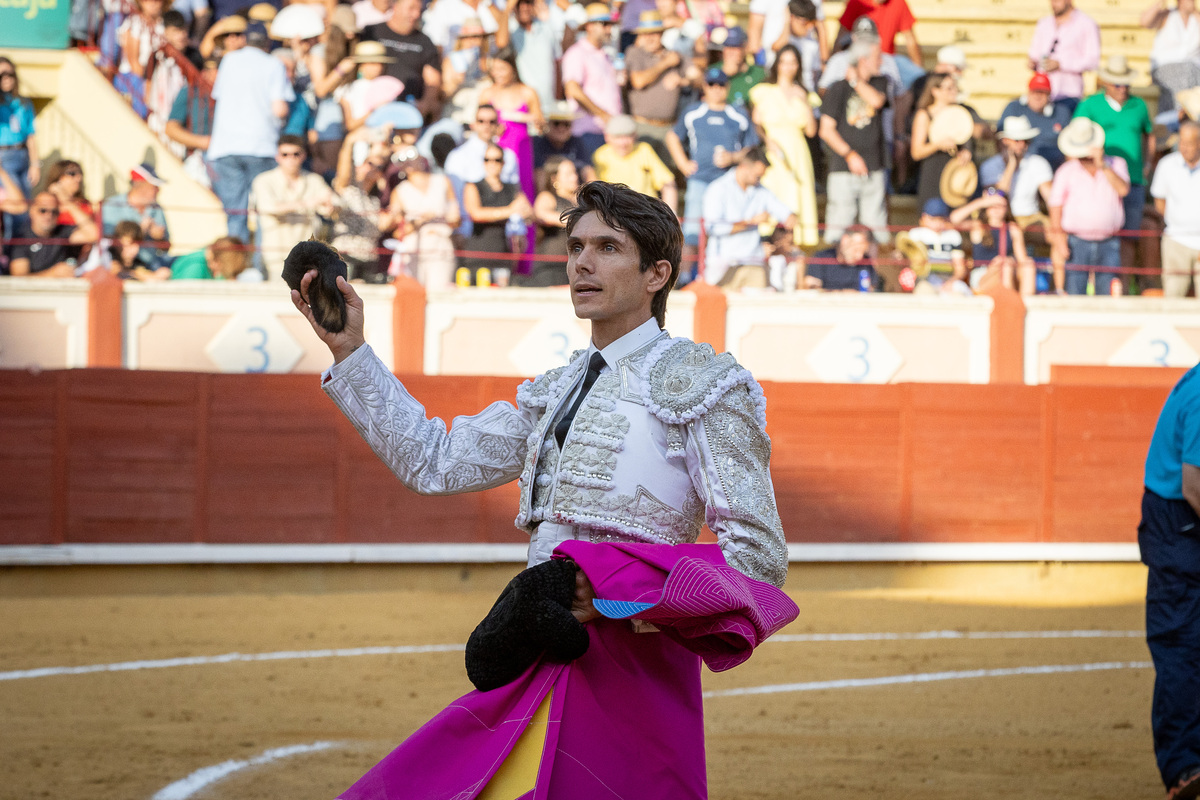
{"x": 133, "y": 733}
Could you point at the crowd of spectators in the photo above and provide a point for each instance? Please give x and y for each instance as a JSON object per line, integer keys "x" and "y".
{"x": 443, "y": 139}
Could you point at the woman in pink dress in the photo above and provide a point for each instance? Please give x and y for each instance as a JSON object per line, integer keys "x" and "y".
{"x": 518, "y": 107}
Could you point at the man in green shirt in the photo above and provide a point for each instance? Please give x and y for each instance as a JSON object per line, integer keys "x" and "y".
{"x": 742, "y": 76}
{"x": 1127, "y": 126}
{"x": 223, "y": 260}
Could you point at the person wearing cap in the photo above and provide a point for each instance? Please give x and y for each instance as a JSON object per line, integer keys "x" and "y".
{"x": 1175, "y": 188}
{"x": 774, "y": 23}
{"x": 890, "y": 17}
{"x": 743, "y": 76}
{"x": 935, "y": 233}
{"x": 718, "y": 135}
{"x": 538, "y": 43}
{"x": 590, "y": 80}
{"x": 1066, "y": 44}
{"x": 1021, "y": 175}
{"x": 656, "y": 80}
{"x": 1086, "y": 213}
{"x": 140, "y": 205}
{"x": 1127, "y": 133}
{"x": 1046, "y": 116}
{"x": 418, "y": 63}
{"x": 43, "y": 246}
{"x": 623, "y": 159}
{"x": 852, "y": 129}
{"x": 559, "y": 141}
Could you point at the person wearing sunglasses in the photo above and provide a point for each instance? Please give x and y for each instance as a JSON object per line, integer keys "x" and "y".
{"x": 286, "y": 201}
{"x": 64, "y": 180}
{"x": 557, "y": 140}
{"x": 43, "y": 248}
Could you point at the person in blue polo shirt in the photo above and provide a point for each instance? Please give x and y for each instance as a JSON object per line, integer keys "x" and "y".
{"x": 1169, "y": 538}
{"x": 1048, "y": 118}
{"x": 718, "y": 136}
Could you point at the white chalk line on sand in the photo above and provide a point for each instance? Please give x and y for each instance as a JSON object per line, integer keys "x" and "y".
{"x": 205, "y": 776}
{"x": 284, "y": 655}
{"x": 928, "y": 677}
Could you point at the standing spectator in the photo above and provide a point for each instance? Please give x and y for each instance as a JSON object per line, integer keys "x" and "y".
{"x": 942, "y": 131}
{"x": 1047, "y": 117}
{"x": 1170, "y": 548}
{"x": 1175, "y": 189}
{"x": 12, "y": 201}
{"x": 492, "y": 204}
{"x": 782, "y": 113}
{"x": 852, "y": 129}
{"x": 518, "y": 108}
{"x": 1175, "y": 55}
{"x": 190, "y": 123}
{"x": 252, "y": 95}
{"x": 1126, "y": 123}
{"x": 590, "y": 80}
{"x": 800, "y": 34}
{"x": 223, "y": 260}
{"x": 371, "y": 12}
{"x": 623, "y": 159}
{"x": 1085, "y": 210}
{"x": 356, "y": 101}
{"x": 537, "y": 43}
{"x": 426, "y": 213}
{"x": 216, "y": 42}
{"x": 559, "y": 141}
{"x": 466, "y": 164}
{"x": 735, "y": 205}
{"x": 46, "y": 249}
{"x": 559, "y": 187}
{"x": 64, "y": 180}
{"x": 742, "y": 76}
{"x": 845, "y": 267}
{"x": 360, "y": 221}
{"x": 1065, "y": 45}
{"x": 1021, "y": 175}
{"x": 952, "y": 61}
{"x": 140, "y": 205}
{"x": 718, "y": 136}
{"x": 18, "y": 140}
{"x": 442, "y": 19}
{"x": 418, "y": 63}
{"x": 165, "y": 78}
{"x": 329, "y": 117}
{"x": 774, "y": 23}
{"x": 285, "y": 202}
{"x": 140, "y": 35}
{"x": 890, "y": 17}
{"x": 655, "y": 82}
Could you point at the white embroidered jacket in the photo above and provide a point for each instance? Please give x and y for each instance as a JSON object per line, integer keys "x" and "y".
{"x": 672, "y": 437}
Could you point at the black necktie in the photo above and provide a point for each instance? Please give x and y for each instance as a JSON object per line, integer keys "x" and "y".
{"x": 595, "y": 364}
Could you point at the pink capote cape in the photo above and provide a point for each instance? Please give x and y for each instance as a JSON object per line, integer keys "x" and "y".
{"x": 626, "y": 719}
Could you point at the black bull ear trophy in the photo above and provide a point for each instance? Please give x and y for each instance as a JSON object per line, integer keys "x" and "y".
{"x": 324, "y": 297}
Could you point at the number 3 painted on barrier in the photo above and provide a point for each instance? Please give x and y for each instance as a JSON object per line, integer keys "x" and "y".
{"x": 258, "y": 348}
{"x": 1161, "y": 358}
{"x": 861, "y": 356}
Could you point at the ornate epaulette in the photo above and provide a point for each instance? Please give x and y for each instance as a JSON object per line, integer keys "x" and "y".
{"x": 542, "y": 390}
{"x": 685, "y": 379}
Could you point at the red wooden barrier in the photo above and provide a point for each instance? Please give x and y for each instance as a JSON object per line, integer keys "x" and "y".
{"x": 143, "y": 456}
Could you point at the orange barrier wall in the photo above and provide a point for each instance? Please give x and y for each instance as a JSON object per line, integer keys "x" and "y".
{"x": 141, "y": 456}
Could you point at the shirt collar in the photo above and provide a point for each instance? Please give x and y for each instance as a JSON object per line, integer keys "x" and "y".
{"x": 629, "y": 343}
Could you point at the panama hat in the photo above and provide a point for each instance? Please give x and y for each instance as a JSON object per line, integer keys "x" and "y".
{"x": 262, "y": 12}
{"x": 371, "y": 53}
{"x": 1018, "y": 129}
{"x": 599, "y": 12}
{"x": 954, "y": 123}
{"x": 471, "y": 26}
{"x": 959, "y": 181}
{"x": 1116, "y": 71}
{"x": 228, "y": 25}
{"x": 300, "y": 21}
{"x": 1079, "y": 137}
{"x": 649, "y": 22}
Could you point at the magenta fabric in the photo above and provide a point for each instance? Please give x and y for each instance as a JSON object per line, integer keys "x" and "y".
{"x": 626, "y": 719}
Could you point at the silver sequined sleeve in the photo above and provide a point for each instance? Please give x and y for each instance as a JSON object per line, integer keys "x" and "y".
{"x": 478, "y": 452}
{"x": 729, "y": 455}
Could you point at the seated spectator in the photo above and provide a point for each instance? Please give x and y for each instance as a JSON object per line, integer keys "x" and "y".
{"x": 622, "y": 159}
{"x": 807, "y": 35}
{"x": 140, "y": 35}
{"x": 847, "y": 267}
{"x": 560, "y": 183}
{"x": 997, "y": 244}
{"x": 1046, "y": 117}
{"x": 851, "y": 127}
{"x": 890, "y": 17}
{"x": 140, "y": 204}
{"x": 718, "y": 136}
{"x": 64, "y": 180}
{"x": 123, "y": 255}
{"x": 559, "y": 141}
{"x": 43, "y": 248}
{"x": 223, "y": 260}
{"x": 493, "y": 204}
{"x": 465, "y": 164}
{"x": 1175, "y": 55}
{"x": 426, "y": 213}
{"x": 1086, "y": 212}
{"x": 189, "y": 124}
{"x": 1066, "y": 44}
{"x": 735, "y": 205}
{"x": 1175, "y": 188}
{"x": 1021, "y": 175}
{"x": 938, "y": 235}
{"x": 360, "y": 220}
{"x": 286, "y": 201}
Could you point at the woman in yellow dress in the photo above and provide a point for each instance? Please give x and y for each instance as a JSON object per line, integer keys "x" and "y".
{"x": 784, "y": 118}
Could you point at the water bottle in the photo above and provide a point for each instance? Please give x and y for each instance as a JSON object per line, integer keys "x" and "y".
{"x": 864, "y": 280}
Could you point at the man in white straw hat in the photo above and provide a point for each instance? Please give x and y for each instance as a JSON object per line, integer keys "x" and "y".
{"x": 1127, "y": 133}
{"x": 1085, "y": 211}
{"x": 1021, "y": 175}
